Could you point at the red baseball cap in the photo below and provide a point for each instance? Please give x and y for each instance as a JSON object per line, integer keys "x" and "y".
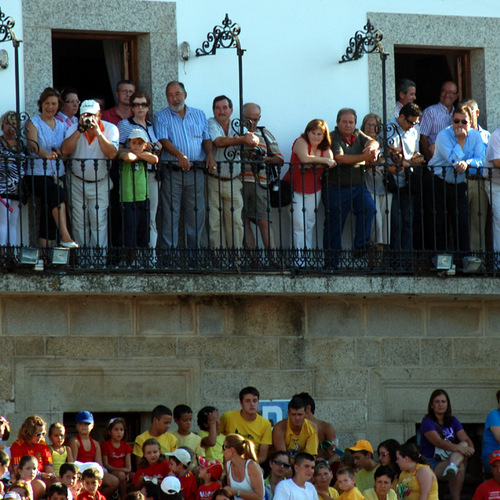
{"x": 212, "y": 466}
{"x": 494, "y": 456}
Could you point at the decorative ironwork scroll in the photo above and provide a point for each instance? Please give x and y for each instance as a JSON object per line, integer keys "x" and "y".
{"x": 363, "y": 42}
{"x": 221, "y": 37}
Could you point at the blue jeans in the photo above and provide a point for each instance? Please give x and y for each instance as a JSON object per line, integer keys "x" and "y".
{"x": 338, "y": 202}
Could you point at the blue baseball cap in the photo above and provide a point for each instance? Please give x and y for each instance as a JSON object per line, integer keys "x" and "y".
{"x": 84, "y": 416}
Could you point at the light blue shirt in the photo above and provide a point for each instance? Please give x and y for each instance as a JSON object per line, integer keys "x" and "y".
{"x": 448, "y": 152}
{"x": 185, "y": 134}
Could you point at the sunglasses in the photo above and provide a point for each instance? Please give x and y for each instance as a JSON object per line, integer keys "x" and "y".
{"x": 410, "y": 122}
{"x": 225, "y": 447}
{"x": 286, "y": 465}
{"x": 140, "y": 104}
{"x": 456, "y": 121}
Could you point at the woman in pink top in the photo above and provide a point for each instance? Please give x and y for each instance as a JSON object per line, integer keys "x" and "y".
{"x": 311, "y": 153}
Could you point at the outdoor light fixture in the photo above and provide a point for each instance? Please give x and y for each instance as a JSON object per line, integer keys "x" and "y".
{"x": 29, "y": 256}
{"x": 59, "y": 256}
{"x": 184, "y": 51}
{"x": 473, "y": 264}
{"x": 442, "y": 262}
{"x": 4, "y": 59}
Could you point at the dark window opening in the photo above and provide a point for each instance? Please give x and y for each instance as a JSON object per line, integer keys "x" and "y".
{"x": 429, "y": 68}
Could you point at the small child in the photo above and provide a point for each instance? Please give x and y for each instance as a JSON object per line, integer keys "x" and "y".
{"x": 211, "y": 439}
{"x": 116, "y": 453}
{"x": 4, "y": 467}
{"x": 180, "y": 460}
{"x": 69, "y": 475}
{"x": 91, "y": 480}
{"x": 85, "y": 449}
{"x": 183, "y": 417}
{"x": 346, "y": 480}
{"x": 22, "y": 488}
{"x": 60, "y": 453}
{"x": 170, "y": 489}
{"x": 58, "y": 491}
{"x": 153, "y": 466}
{"x": 134, "y": 193}
{"x": 209, "y": 472}
{"x": 27, "y": 471}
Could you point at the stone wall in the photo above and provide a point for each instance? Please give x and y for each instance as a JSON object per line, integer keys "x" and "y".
{"x": 370, "y": 350}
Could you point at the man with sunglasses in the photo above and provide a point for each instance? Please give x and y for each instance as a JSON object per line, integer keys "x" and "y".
{"x": 402, "y": 141}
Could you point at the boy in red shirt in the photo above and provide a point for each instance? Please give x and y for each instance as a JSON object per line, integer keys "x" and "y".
{"x": 210, "y": 472}
{"x": 91, "y": 480}
{"x": 179, "y": 467}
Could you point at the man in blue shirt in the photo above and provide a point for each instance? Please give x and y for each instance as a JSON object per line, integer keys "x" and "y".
{"x": 183, "y": 133}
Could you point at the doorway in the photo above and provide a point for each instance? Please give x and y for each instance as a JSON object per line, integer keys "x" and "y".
{"x": 429, "y": 68}
{"x": 93, "y": 63}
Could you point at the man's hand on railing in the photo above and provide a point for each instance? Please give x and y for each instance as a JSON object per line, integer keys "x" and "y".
{"x": 250, "y": 139}
{"x": 461, "y": 166}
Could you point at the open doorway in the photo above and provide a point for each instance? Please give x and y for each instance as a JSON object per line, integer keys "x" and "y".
{"x": 93, "y": 63}
{"x": 429, "y": 68}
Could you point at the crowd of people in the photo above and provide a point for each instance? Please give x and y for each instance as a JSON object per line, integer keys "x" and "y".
{"x": 424, "y": 180}
{"x": 241, "y": 456}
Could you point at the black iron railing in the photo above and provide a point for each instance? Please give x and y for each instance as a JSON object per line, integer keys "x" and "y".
{"x": 363, "y": 220}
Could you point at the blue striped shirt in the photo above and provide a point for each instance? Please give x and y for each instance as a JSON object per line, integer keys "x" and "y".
{"x": 185, "y": 134}
{"x": 125, "y": 127}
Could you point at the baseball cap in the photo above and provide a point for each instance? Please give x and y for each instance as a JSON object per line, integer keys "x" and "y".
{"x": 170, "y": 485}
{"x": 138, "y": 133}
{"x": 212, "y": 466}
{"x": 180, "y": 454}
{"x": 90, "y": 106}
{"x": 494, "y": 456}
{"x": 84, "y": 416}
{"x": 362, "y": 445}
{"x": 12, "y": 495}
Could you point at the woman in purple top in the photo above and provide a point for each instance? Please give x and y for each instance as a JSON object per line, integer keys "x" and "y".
{"x": 444, "y": 442}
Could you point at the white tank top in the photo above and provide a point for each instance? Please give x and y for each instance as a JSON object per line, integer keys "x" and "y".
{"x": 245, "y": 484}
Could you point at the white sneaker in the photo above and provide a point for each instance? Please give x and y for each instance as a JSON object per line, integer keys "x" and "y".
{"x": 450, "y": 471}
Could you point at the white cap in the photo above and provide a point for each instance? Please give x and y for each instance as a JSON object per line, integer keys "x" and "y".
{"x": 90, "y": 106}
{"x": 170, "y": 485}
{"x": 180, "y": 454}
{"x": 138, "y": 133}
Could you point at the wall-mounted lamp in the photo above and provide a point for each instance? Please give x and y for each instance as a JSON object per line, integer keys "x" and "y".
{"x": 4, "y": 59}
{"x": 184, "y": 51}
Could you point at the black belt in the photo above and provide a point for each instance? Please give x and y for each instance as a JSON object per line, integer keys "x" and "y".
{"x": 85, "y": 180}
{"x": 224, "y": 179}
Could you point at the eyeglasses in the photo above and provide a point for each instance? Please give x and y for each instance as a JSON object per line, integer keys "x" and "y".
{"x": 286, "y": 465}
{"x": 410, "y": 122}
{"x": 456, "y": 121}
{"x": 225, "y": 447}
{"x": 73, "y": 101}
{"x": 384, "y": 454}
{"x": 40, "y": 434}
{"x": 140, "y": 104}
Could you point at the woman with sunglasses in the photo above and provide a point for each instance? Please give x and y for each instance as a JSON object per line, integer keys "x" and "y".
{"x": 244, "y": 475}
{"x": 31, "y": 441}
{"x": 139, "y": 102}
{"x": 459, "y": 152}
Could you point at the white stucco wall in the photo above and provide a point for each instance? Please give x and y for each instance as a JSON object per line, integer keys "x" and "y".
{"x": 11, "y": 9}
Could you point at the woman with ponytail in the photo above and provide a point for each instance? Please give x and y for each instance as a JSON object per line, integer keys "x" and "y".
{"x": 244, "y": 475}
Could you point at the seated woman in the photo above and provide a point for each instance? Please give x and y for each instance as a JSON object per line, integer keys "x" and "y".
{"x": 45, "y": 135}
{"x": 416, "y": 481}
{"x": 311, "y": 152}
{"x": 459, "y": 151}
{"x": 445, "y": 444}
{"x": 12, "y": 170}
{"x": 31, "y": 442}
{"x": 491, "y": 435}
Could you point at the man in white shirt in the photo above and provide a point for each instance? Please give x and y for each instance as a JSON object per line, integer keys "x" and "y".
{"x": 300, "y": 486}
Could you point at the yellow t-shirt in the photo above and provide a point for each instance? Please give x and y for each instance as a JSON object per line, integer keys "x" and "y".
{"x": 306, "y": 440}
{"x": 352, "y": 494}
{"x": 213, "y": 452}
{"x": 192, "y": 441}
{"x": 371, "y": 495}
{"x": 258, "y": 431}
{"x": 409, "y": 487}
{"x": 168, "y": 442}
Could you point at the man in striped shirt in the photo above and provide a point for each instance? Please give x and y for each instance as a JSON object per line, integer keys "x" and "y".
{"x": 183, "y": 133}
{"x": 436, "y": 118}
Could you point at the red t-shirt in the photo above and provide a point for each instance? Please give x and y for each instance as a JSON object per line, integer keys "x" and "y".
{"x": 189, "y": 486}
{"x": 40, "y": 451}
{"x": 116, "y": 456}
{"x": 154, "y": 473}
{"x": 490, "y": 490}
{"x": 205, "y": 490}
{"x": 85, "y": 495}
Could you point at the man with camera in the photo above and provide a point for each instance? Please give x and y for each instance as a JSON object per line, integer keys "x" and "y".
{"x": 90, "y": 144}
